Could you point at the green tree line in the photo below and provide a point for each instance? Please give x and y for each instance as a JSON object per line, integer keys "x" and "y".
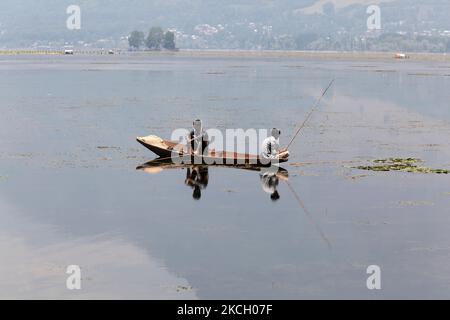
{"x": 155, "y": 40}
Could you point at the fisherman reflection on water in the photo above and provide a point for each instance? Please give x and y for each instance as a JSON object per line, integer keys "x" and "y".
{"x": 197, "y": 178}
{"x": 269, "y": 183}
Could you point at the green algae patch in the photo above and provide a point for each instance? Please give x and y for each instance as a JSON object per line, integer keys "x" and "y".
{"x": 398, "y": 161}
{"x": 401, "y": 164}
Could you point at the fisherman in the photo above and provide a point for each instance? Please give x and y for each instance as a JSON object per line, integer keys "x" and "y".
{"x": 271, "y": 147}
{"x": 198, "y": 138}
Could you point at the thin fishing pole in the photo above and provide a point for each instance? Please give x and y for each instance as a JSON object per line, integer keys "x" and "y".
{"x": 309, "y": 114}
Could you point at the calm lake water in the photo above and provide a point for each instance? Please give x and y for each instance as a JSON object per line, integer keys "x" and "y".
{"x": 70, "y": 193}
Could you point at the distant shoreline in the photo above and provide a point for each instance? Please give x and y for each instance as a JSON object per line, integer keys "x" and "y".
{"x": 333, "y": 55}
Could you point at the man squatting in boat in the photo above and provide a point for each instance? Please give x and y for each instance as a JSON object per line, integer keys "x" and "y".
{"x": 271, "y": 147}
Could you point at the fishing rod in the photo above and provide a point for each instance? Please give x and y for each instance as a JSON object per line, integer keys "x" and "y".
{"x": 309, "y": 114}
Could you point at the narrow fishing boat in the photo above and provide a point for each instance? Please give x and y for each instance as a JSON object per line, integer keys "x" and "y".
{"x": 171, "y": 149}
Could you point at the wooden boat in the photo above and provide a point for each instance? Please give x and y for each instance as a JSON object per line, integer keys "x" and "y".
{"x": 171, "y": 149}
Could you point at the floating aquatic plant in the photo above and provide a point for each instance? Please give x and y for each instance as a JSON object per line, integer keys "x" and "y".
{"x": 401, "y": 164}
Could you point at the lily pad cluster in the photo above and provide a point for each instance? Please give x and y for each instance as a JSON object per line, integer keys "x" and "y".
{"x": 401, "y": 164}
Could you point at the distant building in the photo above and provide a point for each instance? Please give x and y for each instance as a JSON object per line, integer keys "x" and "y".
{"x": 401, "y": 56}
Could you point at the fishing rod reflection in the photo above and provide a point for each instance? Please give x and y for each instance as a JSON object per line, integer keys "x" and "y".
{"x": 197, "y": 176}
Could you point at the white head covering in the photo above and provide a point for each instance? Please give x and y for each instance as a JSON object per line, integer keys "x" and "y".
{"x": 275, "y": 133}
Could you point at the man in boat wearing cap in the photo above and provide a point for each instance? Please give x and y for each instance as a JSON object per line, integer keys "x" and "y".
{"x": 271, "y": 147}
{"x": 198, "y": 138}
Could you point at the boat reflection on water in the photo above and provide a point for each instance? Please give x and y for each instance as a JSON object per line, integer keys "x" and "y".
{"x": 197, "y": 176}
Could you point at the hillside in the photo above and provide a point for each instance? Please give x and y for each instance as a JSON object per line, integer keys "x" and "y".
{"x": 243, "y": 24}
